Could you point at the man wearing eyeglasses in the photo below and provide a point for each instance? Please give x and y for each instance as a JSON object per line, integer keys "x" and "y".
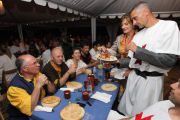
{"x": 27, "y": 88}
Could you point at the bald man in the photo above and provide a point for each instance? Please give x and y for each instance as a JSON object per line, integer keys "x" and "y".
{"x": 27, "y": 88}
{"x": 57, "y": 71}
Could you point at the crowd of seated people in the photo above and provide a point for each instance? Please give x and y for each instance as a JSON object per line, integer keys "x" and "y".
{"x": 56, "y": 71}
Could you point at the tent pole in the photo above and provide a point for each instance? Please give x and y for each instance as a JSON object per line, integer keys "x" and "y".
{"x": 93, "y": 29}
{"x": 20, "y": 33}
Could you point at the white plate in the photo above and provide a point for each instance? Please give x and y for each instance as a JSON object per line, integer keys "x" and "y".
{"x": 106, "y": 60}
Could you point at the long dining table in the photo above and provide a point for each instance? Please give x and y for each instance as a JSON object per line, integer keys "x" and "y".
{"x": 97, "y": 111}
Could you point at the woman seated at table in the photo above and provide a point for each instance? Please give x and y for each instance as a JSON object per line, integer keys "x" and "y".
{"x": 81, "y": 66}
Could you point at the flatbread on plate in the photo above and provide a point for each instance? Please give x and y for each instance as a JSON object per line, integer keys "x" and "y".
{"x": 50, "y": 101}
{"x": 72, "y": 112}
{"x": 75, "y": 85}
{"x": 108, "y": 87}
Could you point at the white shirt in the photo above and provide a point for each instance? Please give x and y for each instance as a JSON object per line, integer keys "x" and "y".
{"x": 7, "y": 64}
{"x": 94, "y": 53}
{"x": 163, "y": 37}
{"x": 112, "y": 52}
{"x": 159, "y": 111}
{"x": 46, "y": 57}
{"x": 80, "y": 64}
{"x": 15, "y": 49}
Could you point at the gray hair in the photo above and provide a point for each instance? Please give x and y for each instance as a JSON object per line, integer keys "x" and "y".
{"x": 140, "y": 5}
{"x": 19, "y": 63}
{"x": 57, "y": 41}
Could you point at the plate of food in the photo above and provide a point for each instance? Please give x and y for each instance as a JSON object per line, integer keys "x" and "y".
{"x": 50, "y": 101}
{"x": 72, "y": 112}
{"x": 75, "y": 85}
{"x": 106, "y": 57}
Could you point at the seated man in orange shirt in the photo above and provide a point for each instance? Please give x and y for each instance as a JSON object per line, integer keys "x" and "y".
{"x": 27, "y": 88}
{"x": 57, "y": 71}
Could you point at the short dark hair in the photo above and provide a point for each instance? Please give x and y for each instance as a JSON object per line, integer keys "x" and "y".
{"x": 74, "y": 49}
{"x": 84, "y": 44}
{"x": 3, "y": 48}
{"x": 19, "y": 62}
{"x": 95, "y": 43}
{"x": 46, "y": 44}
{"x": 145, "y": 4}
{"x": 107, "y": 42}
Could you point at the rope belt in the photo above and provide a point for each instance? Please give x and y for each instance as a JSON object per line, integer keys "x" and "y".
{"x": 145, "y": 73}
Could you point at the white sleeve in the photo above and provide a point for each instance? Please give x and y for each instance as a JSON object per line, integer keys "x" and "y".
{"x": 12, "y": 50}
{"x": 112, "y": 52}
{"x": 169, "y": 41}
{"x": 1, "y": 62}
{"x": 93, "y": 54}
{"x": 45, "y": 59}
{"x": 22, "y": 49}
{"x": 82, "y": 64}
{"x": 68, "y": 63}
{"x": 37, "y": 47}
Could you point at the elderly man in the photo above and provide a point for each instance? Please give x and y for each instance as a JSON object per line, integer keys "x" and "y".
{"x": 153, "y": 51}
{"x": 27, "y": 88}
{"x": 57, "y": 71}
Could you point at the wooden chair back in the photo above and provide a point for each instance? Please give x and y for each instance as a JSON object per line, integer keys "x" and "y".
{"x": 4, "y": 81}
{"x": 3, "y": 106}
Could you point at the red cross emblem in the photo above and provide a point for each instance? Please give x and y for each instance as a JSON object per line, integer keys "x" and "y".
{"x": 138, "y": 117}
{"x": 139, "y": 61}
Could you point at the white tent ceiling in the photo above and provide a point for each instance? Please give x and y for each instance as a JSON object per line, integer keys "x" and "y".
{"x": 57, "y": 11}
{"x": 68, "y": 13}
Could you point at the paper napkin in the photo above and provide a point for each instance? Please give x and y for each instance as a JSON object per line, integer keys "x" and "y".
{"x": 71, "y": 89}
{"x": 120, "y": 72}
{"x": 104, "y": 97}
{"x": 44, "y": 109}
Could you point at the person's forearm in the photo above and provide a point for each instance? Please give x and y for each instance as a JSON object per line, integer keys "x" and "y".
{"x": 157, "y": 59}
{"x": 64, "y": 78}
{"x": 35, "y": 97}
{"x": 124, "y": 63}
{"x": 108, "y": 52}
{"x": 73, "y": 75}
{"x": 92, "y": 61}
{"x": 51, "y": 88}
{"x": 93, "y": 64}
{"x": 79, "y": 71}
{"x": 126, "y": 118}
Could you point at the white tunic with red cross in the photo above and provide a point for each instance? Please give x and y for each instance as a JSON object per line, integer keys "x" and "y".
{"x": 141, "y": 93}
{"x": 158, "y": 111}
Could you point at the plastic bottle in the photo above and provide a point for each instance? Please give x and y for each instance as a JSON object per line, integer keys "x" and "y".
{"x": 100, "y": 71}
{"x": 89, "y": 86}
{"x": 94, "y": 72}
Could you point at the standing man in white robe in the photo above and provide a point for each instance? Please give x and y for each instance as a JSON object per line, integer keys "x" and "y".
{"x": 153, "y": 51}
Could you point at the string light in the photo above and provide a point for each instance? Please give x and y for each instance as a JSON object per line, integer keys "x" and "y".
{"x": 2, "y": 10}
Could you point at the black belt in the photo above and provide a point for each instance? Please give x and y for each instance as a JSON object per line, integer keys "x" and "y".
{"x": 145, "y": 73}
